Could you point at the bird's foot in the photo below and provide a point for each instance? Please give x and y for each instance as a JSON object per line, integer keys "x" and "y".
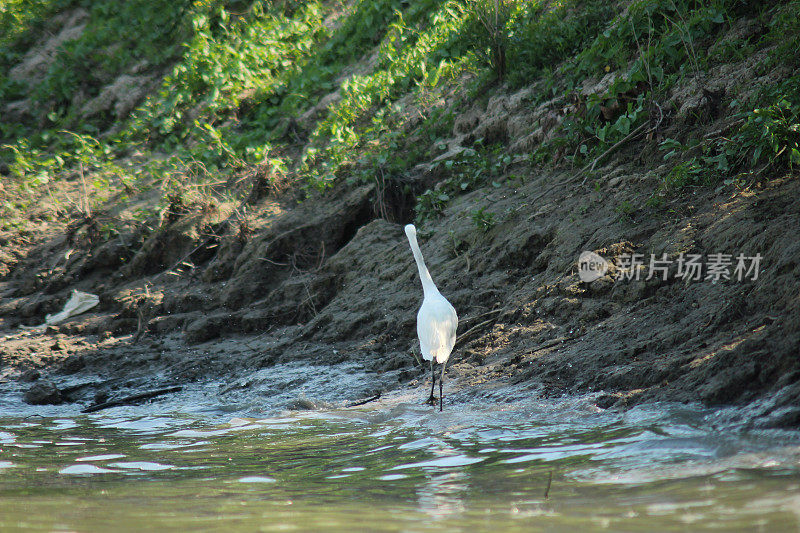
{"x": 433, "y": 400}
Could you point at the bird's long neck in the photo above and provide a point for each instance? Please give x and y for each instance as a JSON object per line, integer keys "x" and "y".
{"x": 428, "y": 287}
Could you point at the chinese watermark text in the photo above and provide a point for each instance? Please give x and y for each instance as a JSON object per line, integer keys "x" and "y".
{"x": 691, "y": 267}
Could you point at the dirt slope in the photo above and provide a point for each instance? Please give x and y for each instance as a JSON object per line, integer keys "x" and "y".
{"x": 328, "y": 281}
{"x": 218, "y": 290}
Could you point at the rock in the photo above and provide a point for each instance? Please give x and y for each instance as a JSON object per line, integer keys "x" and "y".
{"x": 101, "y": 396}
{"x": 206, "y": 328}
{"x": 73, "y": 364}
{"x": 43, "y": 393}
{"x": 29, "y": 375}
{"x": 606, "y": 401}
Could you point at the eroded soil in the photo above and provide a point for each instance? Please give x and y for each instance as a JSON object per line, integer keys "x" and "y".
{"x": 329, "y": 282}
{"x": 212, "y": 293}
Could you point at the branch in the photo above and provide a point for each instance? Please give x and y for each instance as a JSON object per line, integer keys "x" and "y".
{"x": 131, "y": 400}
{"x": 364, "y": 401}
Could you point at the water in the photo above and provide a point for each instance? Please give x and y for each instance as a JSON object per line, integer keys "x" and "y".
{"x": 211, "y": 460}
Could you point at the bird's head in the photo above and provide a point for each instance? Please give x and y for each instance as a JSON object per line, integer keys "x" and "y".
{"x": 411, "y": 231}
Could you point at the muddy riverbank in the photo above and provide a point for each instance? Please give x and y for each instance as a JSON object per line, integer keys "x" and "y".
{"x": 326, "y": 283}
{"x": 273, "y": 233}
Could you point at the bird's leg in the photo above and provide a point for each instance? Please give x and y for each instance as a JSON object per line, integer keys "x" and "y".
{"x": 441, "y": 385}
{"x": 431, "y": 400}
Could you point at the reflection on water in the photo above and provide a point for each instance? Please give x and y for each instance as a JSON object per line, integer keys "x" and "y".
{"x": 441, "y": 495}
{"x": 395, "y": 466}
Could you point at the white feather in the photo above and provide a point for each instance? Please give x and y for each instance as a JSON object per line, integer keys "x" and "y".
{"x": 437, "y": 320}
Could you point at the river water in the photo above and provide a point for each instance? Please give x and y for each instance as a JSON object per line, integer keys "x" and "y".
{"x": 216, "y": 458}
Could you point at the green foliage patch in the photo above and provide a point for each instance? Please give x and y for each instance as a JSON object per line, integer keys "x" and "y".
{"x": 236, "y": 78}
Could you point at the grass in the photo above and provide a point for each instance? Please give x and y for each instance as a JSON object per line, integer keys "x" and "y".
{"x": 236, "y": 78}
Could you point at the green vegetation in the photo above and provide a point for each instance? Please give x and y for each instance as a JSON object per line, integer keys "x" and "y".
{"x": 483, "y": 220}
{"x": 236, "y": 86}
{"x": 468, "y": 171}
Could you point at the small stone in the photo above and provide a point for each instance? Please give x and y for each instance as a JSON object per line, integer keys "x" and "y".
{"x": 43, "y": 393}
{"x": 203, "y": 329}
{"x": 56, "y": 346}
{"x": 101, "y": 396}
{"x": 51, "y": 330}
{"x": 29, "y": 375}
{"x": 72, "y": 364}
{"x": 605, "y": 401}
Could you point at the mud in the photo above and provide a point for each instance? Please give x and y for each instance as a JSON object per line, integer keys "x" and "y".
{"x": 207, "y": 295}
{"x": 327, "y": 283}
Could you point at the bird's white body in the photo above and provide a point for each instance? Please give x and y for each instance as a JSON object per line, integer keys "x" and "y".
{"x": 437, "y": 320}
{"x": 436, "y": 328}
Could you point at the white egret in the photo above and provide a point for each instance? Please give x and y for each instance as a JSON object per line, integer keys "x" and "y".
{"x": 436, "y": 319}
